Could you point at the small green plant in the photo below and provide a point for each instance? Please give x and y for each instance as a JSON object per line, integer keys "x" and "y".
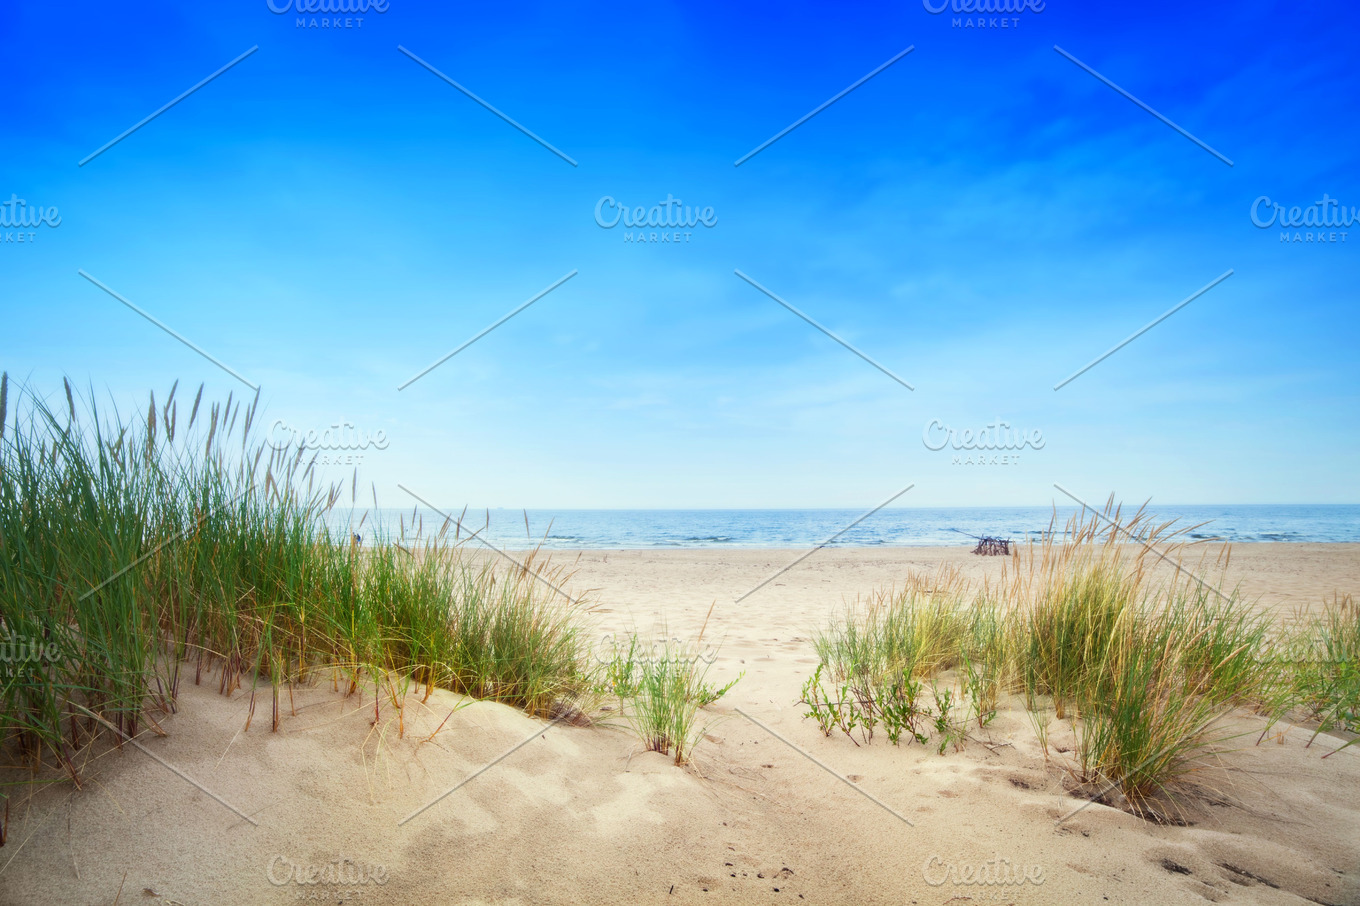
{"x": 662, "y": 693}
{"x": 707, "y": 695}
{"x": 982, "y": 686}
{"x": 832, "y": 711}
{"x": 951, "y": 727}
{"x": 862, "y": 707}
{"x": 815, "y": 700}
{"x": 898, "y": 708}
{"x": 620, "y": 677}
{"x": 876, "y": 656}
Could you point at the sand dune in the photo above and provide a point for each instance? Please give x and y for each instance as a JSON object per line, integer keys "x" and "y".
{"x": 580, "y": 815}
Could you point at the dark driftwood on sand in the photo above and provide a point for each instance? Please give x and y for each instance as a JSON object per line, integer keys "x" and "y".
{"x": 991, "y": 546}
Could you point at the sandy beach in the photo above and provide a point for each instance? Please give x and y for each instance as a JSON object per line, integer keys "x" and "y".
{"x": 769, "y": 811}
{"x": 864, "y": 454}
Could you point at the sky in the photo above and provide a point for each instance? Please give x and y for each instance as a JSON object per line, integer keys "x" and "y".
{"x": 982, "y": 217}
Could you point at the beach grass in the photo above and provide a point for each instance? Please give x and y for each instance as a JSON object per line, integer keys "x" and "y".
{"x": 919, "y": 630}
{"x": 138, "y": 552}
{"x": 1089, "y": 624}
{"x": 662, "y": 688}
{"x": 1325, "y": 654}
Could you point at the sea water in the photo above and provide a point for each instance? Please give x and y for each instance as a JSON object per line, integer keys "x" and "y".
{"x": 790, "y": 528}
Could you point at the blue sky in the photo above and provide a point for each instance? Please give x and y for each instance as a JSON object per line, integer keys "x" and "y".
{"x": 983, "y": 218}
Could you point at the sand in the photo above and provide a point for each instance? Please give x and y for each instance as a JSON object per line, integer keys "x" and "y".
{"x": 581, "y": 815}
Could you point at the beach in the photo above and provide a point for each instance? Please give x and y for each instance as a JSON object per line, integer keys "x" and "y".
{"x": 452, "y": 802}
{"x": 746, "y": 475}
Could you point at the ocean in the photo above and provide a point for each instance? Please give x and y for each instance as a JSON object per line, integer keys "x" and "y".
{"x": 659, "y": 529}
